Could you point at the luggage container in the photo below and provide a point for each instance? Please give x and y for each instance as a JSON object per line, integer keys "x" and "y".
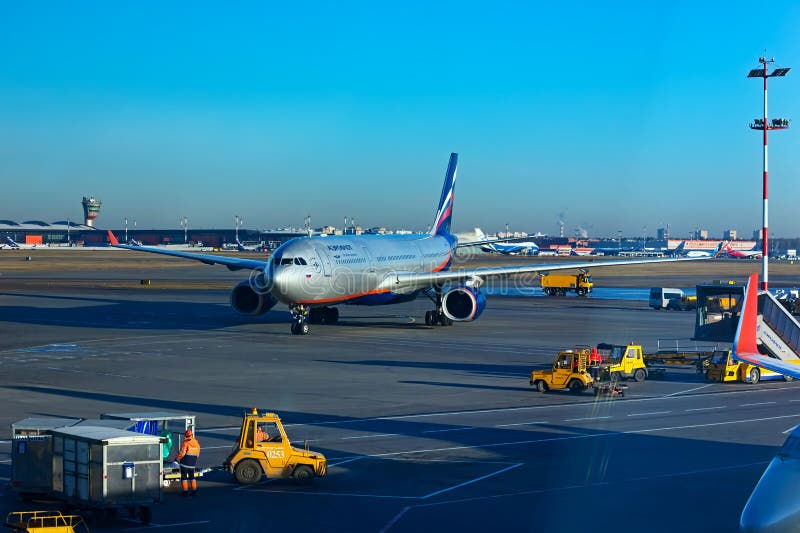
{"x": 107, "y": 468}
{"x": 170, "y": 426}
{"x": 31, "y": 454}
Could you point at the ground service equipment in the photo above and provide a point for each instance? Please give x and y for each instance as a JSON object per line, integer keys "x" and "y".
{"x": 684, "y": 303}
{"x": 625, "y": 362}
{"x": 724, "y": 368}
{"x": 569, "y": 372}
{"x": 264, "y": 449}
{"x": 45, "y": 522}
{"x": 560, "y": 284}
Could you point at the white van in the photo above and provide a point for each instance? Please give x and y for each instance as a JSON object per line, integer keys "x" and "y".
{"x": 660, "y": 296}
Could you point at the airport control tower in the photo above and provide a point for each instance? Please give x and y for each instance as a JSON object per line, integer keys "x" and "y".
{"x": 91, "y": 208}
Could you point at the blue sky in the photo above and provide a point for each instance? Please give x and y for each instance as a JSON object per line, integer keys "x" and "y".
{"x": 616, "y": 115}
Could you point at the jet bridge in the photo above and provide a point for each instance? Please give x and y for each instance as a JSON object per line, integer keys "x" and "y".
{"x": 718, "y": 310}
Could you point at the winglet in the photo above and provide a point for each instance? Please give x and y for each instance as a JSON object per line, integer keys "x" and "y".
{"x": 112, "y": 239}
{"x": 745, "y": 340}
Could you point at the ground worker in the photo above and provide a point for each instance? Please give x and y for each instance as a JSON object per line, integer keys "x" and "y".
{"x": 594, "y": 362}
{"x": 190, "y": 451}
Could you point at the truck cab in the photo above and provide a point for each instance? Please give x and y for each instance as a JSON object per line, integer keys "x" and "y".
{"x": 623, "y": 362}
{"x": 569, "y": 371}
{"x": 723, "y": 368}
{"x": 264, "y": 448}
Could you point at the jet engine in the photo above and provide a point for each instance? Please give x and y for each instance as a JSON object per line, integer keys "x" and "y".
{"x": 463, "y": 304}
{"x": 247, "y": 301}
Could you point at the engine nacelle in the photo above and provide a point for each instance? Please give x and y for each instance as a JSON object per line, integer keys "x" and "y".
{"x": 463, "y": 304}
{"x": 247, "y": 301}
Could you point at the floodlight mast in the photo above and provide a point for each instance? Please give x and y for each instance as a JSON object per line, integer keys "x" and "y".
{"x": 764, "y": 125}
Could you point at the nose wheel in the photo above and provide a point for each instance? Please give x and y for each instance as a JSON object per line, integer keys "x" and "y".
{"x": 299, "y": 320}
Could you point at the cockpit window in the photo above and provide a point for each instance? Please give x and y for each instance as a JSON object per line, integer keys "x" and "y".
{"x": 299, "y": 261}
{"x": 287, "y": 261}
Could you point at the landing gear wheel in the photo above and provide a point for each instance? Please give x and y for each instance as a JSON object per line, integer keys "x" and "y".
{"x": 428, "y": 318}
{"x": 639, "y": 375}
{"x": 303, "y": 475}
{"x": 755, "y": 376}
{"x": 300, "y": 328}
{"x": 247, "y": 472}
{"x": 444, "y": 320}
{"x": 541, "y": 386}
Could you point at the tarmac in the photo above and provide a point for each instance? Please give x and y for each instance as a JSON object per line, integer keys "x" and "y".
{"x": 424, "y": 428}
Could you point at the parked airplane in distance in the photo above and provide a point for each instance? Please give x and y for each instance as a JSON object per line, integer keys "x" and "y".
{"x": 313, "y": 274}
{"x": 773, "y": 505}
{"x": 247, "y": 248}
{"x": 513, "y": 248}
{"x": 704, "y": 253}
{"x": 752, "y": 253}
{"x": 11, "y": 243}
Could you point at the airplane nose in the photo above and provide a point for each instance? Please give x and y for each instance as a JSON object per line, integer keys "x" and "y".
{"x": 773, "y": 506}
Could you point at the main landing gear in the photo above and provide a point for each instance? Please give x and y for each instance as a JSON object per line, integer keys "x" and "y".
{"x": 302, "y": 316}
{"x": 437, "y": 316}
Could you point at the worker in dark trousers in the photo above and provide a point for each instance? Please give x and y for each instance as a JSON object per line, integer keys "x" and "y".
{"x": 190, "y": 452}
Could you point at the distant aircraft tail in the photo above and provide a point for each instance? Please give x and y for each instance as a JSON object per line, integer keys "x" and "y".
{"x": 718, "y": 249}
{"x": 441, "y": 224}
{"x": 112, "y": 239}
{"x": 11, "y": 242}
{"x": 481, "y": 236}
{"x": 680, "y": 247}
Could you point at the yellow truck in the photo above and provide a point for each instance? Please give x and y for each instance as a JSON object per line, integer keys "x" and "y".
{"x": 684, "y": 303}
{"x": 569, "y": 371}
{"x": 264, "y": 449}
{"x": 723, "y": 368}
{"x": 625, "y": 362}
{"x": 560, "y": 284}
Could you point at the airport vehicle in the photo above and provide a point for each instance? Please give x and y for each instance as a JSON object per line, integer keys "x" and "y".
{"x": 684, "y": 303}
{"x": 45, "y": 522}
{"x": 723, "y": 368}
{"x": 661, "y": 296}
{"x": 560, "y": 284}
{"x": 569, "y": 371}
{"x": 625, "y": 362}
{"x": 513, "y": 248}
{"x": 264, "y": 449}
{"x": 310, "y": 274}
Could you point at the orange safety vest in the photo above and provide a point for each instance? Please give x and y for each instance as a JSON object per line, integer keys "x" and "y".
{"x": 190, "y": 447}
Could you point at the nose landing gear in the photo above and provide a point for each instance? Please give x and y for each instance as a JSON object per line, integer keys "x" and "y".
{"x": 299, "y": 319}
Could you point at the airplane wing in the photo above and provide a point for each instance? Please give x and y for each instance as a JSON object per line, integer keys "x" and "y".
{"x": 421, "y": 280}
{"x": 233, "y": 263}
{"x": 744, "y": 343}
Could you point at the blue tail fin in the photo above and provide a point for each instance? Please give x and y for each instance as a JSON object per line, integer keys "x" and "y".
{"x": 441, "y": 224}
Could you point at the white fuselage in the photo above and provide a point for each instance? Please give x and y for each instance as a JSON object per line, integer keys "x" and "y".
{"x": 353, "y": 269}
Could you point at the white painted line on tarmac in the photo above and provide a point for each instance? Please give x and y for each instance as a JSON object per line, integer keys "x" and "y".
{"x": 340, "y": 463}
{"x": 211, "y": 430}
{"x": 588, "y": 418}
{"x": 394, "y": 520}
{"x": 685, "y": 391}
{"x": 650, "y": 413}
{"x": 178, "y": 524}
{"x": 370, "y": 436}
{"x": 5, "y": 442}
{"x": 757, "y": 403}
{"x": 446, "y": 430}
{"x": 794, "y": 400}
{"x": 471, "y": 481}
{"x": 520, "y": 424}
{"x": 571, "y": 437}
{"x": 5, "y": 461}
{"x": 216, "y": 447}
{"x": 706, "y": 408}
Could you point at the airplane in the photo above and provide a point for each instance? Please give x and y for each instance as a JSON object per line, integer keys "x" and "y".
{"x": 242, "y": 248}
{"x": 773, "y": 505}
{"x": 704, "y": 253}
{"x": 11, "y": 243}
{"x": 314, "y": 274}
{"x": 752, "y": 253}
{"x": 678, "y": 251}
{"x": 513, "y": 248}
